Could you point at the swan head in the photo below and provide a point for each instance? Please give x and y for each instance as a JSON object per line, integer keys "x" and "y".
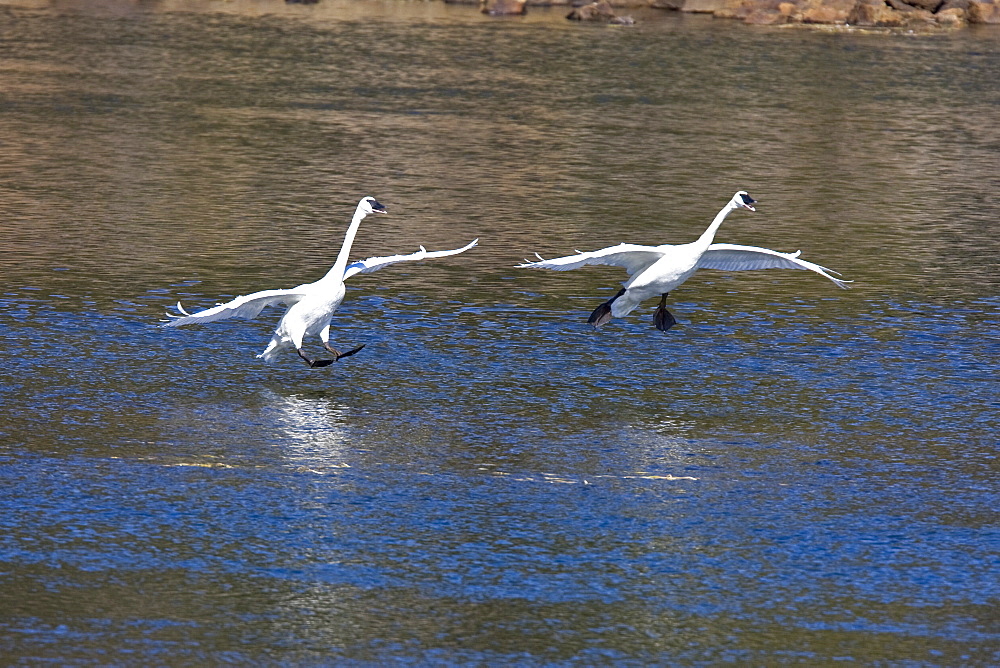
{"x": 370, "y": 205}
{"x": 742, "y": 199}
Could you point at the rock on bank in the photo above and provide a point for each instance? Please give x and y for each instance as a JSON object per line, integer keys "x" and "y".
{"x": 862, "y": 13}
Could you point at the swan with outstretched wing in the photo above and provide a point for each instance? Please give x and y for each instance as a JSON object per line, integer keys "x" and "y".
{"x": 310, "y": 307}
{"x": 656, "y": 270}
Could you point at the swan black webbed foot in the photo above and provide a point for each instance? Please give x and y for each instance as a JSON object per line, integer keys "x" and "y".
{"x": 602, "y": 314}
{"x": 339, "y": 354}
{"x": 314, "y": 363}
{"x": 663, "y": 319}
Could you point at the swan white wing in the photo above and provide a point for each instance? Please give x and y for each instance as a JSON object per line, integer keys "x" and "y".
{"x": 376, "y": 263}
{"x": 246, "y": 306}
{"x": 733, "y": 257}
{"x": 633, "y": 258}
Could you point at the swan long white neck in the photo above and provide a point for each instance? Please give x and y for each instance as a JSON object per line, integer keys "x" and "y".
{"x": 706, "y": 238}
{"x": 337, "y": 271}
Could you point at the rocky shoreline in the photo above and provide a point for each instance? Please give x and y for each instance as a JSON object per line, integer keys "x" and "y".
{"x": 854, "y": 13}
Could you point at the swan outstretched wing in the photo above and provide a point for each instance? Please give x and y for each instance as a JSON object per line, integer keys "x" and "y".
{"x": 247, "y": 306}
{"x": 631, "y": 257}
{"x": 376, "y": 263}
{"x": 733, "y": 257}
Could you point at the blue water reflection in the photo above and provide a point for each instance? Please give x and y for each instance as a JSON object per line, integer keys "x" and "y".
{"x": 615, "y": 511}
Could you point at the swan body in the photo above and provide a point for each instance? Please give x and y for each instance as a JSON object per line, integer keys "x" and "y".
{"x": 657, "y": 270}
{"x": 310, "y": 306}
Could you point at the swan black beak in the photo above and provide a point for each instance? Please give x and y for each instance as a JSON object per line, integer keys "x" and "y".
{"x": 748, "y": 202}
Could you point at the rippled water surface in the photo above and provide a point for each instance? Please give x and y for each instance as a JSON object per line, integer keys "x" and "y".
{"x": 794, "y": 474}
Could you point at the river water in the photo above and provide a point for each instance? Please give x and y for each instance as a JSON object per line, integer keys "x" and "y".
{"x": 794, "y": 474}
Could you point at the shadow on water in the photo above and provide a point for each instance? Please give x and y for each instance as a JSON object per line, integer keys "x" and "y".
{"x": 793, "y": 474}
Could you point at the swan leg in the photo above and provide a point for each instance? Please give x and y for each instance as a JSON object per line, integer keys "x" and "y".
{"x": 339, "y": 354}
{"x": 324, "y": 337}
{"x": 663, "y": 318}
{"x": 313, "y": 363}
{"x": 602, "y": 314}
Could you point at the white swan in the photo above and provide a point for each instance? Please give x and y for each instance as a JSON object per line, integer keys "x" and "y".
{"x": 656, "y": 270}
{"x": 310, "y": 306}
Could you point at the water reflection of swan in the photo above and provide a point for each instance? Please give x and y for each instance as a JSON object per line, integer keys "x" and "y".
{"x": 656, "y": 270}
{"x": 310, "y": 306}
{"x": 313, "y": 429}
